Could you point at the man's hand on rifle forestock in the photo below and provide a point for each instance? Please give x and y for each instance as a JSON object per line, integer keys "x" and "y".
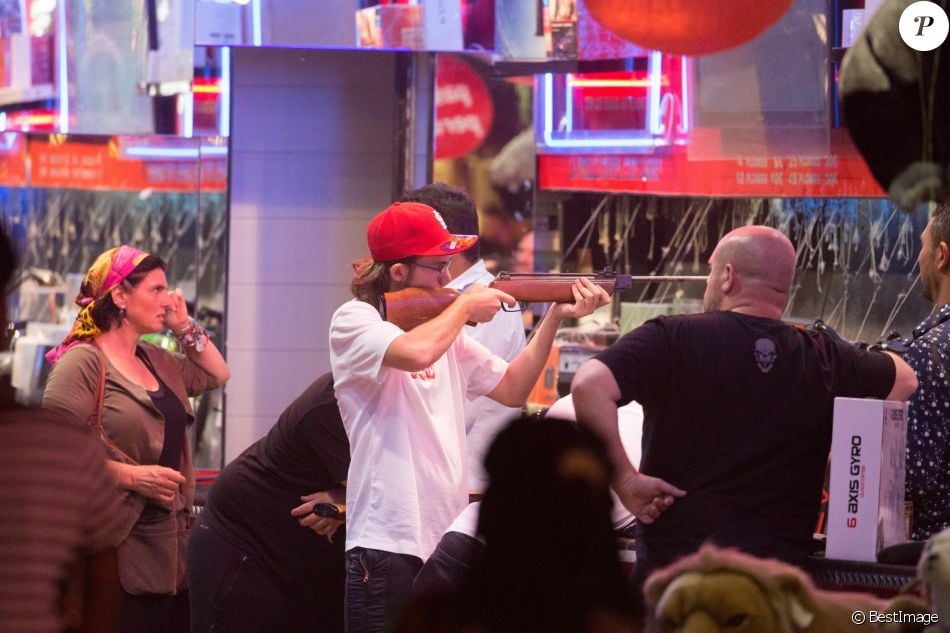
{"x": 483, "y": 303}
{"x": 587, "y": 298}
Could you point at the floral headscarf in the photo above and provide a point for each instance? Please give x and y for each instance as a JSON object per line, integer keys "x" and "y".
{"x": 108, "y": 271}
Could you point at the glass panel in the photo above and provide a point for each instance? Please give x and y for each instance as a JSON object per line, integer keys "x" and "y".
{"x": 102, "y": 67}
{"x": 68, "y": 198}
{"x": 433, "y": 25}
{"x": 856, "y": 257}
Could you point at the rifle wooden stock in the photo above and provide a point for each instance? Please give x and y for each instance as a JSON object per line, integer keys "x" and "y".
{"x": 411, "y": 307}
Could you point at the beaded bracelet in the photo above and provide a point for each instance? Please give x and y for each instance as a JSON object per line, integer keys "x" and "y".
{"x": 192, "y": 335}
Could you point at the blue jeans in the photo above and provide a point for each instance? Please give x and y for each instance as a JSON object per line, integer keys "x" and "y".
{"x": 377, "y": 585}
{"x": 449, "y": 564}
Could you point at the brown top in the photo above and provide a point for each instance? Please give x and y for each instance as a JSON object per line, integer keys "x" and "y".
{"x": 129, "y": 417}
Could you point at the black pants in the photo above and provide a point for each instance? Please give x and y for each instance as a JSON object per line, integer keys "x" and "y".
{"x": 153, "y": 614}
{"x": 231, "y": 592}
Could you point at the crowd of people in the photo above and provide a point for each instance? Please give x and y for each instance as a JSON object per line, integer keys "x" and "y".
{"x": 408, "y": 422}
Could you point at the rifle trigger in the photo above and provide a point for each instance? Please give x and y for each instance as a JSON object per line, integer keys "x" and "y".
{"x": 522, "y": 306}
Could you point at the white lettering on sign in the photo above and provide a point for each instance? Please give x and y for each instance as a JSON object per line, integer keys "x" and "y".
{"x": 450, "y": 94}
{"x": 460, "y": 124}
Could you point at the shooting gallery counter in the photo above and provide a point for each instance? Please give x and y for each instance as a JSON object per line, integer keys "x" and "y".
{"x": 880, "y": 579}
{"x": 877, "y": 578}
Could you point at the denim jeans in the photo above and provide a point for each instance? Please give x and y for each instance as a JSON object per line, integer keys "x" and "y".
{"x": 449, "y": 563}
{"x": 377, "y": 585}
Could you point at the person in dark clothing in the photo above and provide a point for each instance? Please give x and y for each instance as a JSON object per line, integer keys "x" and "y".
{"x": 737, "y": 411}
{"x": 254, "y": 564}
{"x": 549, "y": 561}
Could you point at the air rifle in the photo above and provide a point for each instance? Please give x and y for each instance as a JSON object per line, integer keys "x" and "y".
{"x": 411, "y": 307}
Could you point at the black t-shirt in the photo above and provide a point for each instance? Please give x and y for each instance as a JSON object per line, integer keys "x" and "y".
{"x": 250, "y": 501}
{"x": 176, "y": 419}
{"x": 738, "y": 412}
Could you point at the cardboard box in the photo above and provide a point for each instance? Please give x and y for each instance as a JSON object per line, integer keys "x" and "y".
{"x": 434, "y": 25}
{"x": 866, "y": 488}
{"x": 573, "y": 33}
{"x": 390, "y": 26}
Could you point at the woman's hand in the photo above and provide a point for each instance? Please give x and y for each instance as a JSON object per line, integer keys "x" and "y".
{"x": 151, "y": 481}
{"x": 321, "y": 525}
{"x": 176, "y": 315}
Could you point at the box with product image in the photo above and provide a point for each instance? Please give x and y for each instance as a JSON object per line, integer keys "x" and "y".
{"x": 866, "y": 487}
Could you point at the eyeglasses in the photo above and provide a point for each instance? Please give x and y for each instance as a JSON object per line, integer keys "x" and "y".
{"x": 440, "y": 268}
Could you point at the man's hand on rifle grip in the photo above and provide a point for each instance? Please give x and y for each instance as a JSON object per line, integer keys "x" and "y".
{"x": 483, "y": 303}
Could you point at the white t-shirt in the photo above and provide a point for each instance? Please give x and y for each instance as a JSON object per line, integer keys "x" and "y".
{"x": 408, "y": 476}
{"x": 504, "y": 337}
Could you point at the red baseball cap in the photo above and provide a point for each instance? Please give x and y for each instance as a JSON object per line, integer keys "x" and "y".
{"x": 412, "y": 229}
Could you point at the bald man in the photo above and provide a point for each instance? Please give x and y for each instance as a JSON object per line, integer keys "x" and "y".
{"x": 737, "y": 410}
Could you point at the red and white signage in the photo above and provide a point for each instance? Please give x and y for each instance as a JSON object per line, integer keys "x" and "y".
{"x": 463, "y": 108}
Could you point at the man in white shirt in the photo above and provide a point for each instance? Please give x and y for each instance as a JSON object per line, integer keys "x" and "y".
{"x": 402, "y": 397}
{"x": 503, "y": 335}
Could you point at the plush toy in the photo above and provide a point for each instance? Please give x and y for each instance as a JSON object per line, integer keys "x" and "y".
{"x": 933, "y": 570}
{"x": 725, "y": 590}
{"x": 928, "y": 597}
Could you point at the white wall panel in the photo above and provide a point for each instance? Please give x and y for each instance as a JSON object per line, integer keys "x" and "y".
{"x": 304, "y": 184}
{"x": 296, "y": 250}
{"x": 313, "y": 150}
{"x": 316, "y": 118}
{"x": 284, "y": 329}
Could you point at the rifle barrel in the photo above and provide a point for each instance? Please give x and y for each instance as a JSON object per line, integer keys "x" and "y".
{"x": 660, "y": 279}
{"x": 622, "y": 279}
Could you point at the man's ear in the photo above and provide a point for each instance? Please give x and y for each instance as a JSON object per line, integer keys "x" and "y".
{"x": 729, "y": 279}
{"x": 943, "y": 257}
{"x": 399, "y": 272}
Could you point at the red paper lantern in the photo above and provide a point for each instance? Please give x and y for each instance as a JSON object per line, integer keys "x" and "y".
{"x": 687, "y": 27}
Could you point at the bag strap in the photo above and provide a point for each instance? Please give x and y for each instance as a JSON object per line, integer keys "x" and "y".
{"x": 100, "y": 403}
{"x": 100, "y": 393}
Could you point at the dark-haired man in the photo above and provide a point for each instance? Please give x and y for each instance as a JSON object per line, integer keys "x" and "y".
{"x": 928, "y": 415}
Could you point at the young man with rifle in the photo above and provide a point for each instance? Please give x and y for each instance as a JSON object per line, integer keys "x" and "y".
{"x": 402, "y": 393}
{"x": 503, "y": 335}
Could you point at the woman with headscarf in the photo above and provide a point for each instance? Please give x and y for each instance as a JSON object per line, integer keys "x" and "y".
{"x": 135, "y": 395}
